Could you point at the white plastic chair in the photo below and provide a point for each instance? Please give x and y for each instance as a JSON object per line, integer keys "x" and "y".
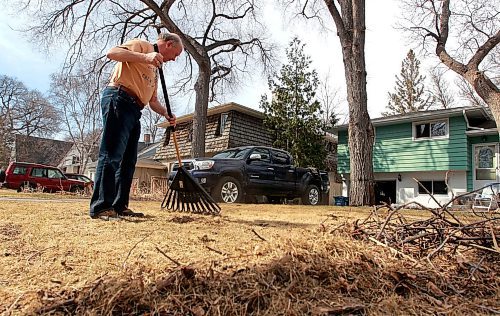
{"x": 488, "y": 198}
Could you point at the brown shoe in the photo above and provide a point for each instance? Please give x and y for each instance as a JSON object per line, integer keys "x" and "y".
{"x": 130, "y": 213}
{"x": 107, "y": 215}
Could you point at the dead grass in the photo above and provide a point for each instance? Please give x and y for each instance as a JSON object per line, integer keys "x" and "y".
{"x": 254, "y": 259}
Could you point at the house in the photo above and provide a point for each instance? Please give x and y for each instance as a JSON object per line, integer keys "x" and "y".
{"x": 228, "y": 125}
{"x": 147, "y": 169}
{"x": 38, "y": 150}
{"x": 149, "y": 173}
{"x": 78, "y": 159}
{"x": 450, "y": 151}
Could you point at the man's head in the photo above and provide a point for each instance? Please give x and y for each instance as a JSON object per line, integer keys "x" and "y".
{"x": 170, "y": 46}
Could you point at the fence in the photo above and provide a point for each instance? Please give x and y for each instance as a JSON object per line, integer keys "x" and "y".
{"x": 157, "y": 186}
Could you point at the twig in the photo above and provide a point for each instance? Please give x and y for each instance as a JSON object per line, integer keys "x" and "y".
{"x": 493, "y": 237}
{"x": 55, "y": 306}
{"x": 166, "y": 256}
{"x": 429, "y": 256}
{"x": 392, "y": 249}
{"x": 386, "y": 221}
{"x": 130, "y": 251}
{"x": 253, "y": 230}
{"x": 215, "y": 250}
{"x": 9, "y": 310}
{"x": 38, "y": 253}
{"x": 484, "y": 248}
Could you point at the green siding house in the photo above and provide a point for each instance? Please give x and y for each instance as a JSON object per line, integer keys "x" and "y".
{"x": 457, "y": 146}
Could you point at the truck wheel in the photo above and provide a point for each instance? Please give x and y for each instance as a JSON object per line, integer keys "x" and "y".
{"x": 228, "y": 190}
{"x": 311, "y": 195}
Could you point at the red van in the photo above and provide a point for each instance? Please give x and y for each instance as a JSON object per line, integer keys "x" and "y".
{"x": 21, "y": 175}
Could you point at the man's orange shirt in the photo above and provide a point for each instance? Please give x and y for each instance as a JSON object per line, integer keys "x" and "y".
{"x": 138, "y": 77}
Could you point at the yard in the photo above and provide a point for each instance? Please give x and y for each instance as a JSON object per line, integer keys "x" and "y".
{"x": 253, "y": 259}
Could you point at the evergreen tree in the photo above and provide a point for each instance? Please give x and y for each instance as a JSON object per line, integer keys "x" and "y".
{"x": 409, "y": 94}
{"x": 293, "y": 114}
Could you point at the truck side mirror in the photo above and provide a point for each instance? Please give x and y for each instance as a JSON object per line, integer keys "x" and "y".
{"x": 254, "y": 157}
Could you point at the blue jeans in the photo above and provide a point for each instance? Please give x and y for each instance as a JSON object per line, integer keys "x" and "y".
{"x": 117, "y": 153}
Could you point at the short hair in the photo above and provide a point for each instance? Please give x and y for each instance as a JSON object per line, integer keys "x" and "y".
{"x": 170, "y": 37}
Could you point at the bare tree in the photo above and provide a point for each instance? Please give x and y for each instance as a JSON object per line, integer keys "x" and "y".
{"x": 331, "y": 100}
{"x": 150, "y": 120}
{"x": 223, "y": 37}
{"x": 467, "y": 93}
{"x": 349, "y": 19}
{"x": 440, "y": 89}
{"x": 78, "y": 99}
{"x": 464, "y": 35}
{"x": 23, "y": 111}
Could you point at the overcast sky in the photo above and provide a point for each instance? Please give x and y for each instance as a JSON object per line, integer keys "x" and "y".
{"x": 385, "y": 50}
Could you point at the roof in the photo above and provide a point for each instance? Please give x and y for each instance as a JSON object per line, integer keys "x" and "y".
{"x": 471, "y": 112}
{"x": 150, "y": 163}
{"x": 148, "y": 151}
{"x": 231, "y": 106}
{"x": 40, "y": 150}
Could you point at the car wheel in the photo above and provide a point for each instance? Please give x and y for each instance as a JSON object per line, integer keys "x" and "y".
{"x": 30, "y": 187}
{"x": 228, "y": 190}
{"x": 76, "y": 189}
{"x": 311, "y": 195}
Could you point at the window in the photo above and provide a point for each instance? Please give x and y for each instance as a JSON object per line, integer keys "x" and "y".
{"x": 233, "y": 153}
{"x": 485, "y": 162}
{"x": 221, "y": 124}
{"x": 54, "y": 174}
{"x": 75, "y": 160}
{"x": 39, "y": 172}
{"x": 437, "y": 129}
{"x": 280, "y": 158}
{"x": 264, "y": 154}
{"x": 434, "y": 187}
{"x": 19, "y": 170}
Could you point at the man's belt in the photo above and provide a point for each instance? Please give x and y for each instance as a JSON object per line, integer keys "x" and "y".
{"x": 129, "y": 92}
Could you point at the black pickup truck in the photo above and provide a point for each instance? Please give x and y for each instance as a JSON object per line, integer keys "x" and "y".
{"x": 237, "y": 174}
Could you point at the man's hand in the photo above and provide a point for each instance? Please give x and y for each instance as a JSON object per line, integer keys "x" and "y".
{"x": 154, "y": 58}
{"x": 171, "y": 120}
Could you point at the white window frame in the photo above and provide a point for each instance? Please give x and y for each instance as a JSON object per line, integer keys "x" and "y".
{"x": 414, "y": 133}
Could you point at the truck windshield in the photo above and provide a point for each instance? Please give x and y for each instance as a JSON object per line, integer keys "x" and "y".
{"x": 233, "y": 153}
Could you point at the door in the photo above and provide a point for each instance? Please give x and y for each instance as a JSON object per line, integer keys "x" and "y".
{"x": 485, "y": 169}
{"x": 385, "y": 192}
{"x": 260, "y": 172}
{"x": 284, "y": 172}
{"x": 38, "y": 176}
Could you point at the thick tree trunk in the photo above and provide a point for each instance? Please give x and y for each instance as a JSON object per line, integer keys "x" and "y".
{"x": 487, "y": 90}
{"x": 361, "y": 133}
{"x": 201, "y": 88}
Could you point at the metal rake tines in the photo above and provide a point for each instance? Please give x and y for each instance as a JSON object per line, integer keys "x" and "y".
{"x": 192, "y": 202}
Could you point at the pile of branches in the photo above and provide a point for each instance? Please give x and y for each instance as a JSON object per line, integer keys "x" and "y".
{"x": 443, "y": 231}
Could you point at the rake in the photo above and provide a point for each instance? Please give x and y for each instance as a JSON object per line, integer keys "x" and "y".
{"x": 184, "y": 194}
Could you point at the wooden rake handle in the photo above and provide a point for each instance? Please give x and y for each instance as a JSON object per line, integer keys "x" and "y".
{"x": 169, "y": 110}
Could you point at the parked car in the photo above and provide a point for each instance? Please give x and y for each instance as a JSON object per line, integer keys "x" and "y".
{"x": 75, "y": 176}
{"x": 236, "y": 174}
{"x": 21, "y": 175}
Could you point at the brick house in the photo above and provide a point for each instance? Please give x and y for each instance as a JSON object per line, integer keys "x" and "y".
{"x": 228, "y": 125}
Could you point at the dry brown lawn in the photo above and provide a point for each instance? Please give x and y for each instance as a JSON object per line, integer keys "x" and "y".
{"x": 253, "y": 259}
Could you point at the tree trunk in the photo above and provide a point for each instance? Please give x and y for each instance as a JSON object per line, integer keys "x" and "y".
{"x": 200, "y": 113}
{"x": 361, "y": 133}
{"x": 487, "y": 90}
{"x": 361, "y": 136}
